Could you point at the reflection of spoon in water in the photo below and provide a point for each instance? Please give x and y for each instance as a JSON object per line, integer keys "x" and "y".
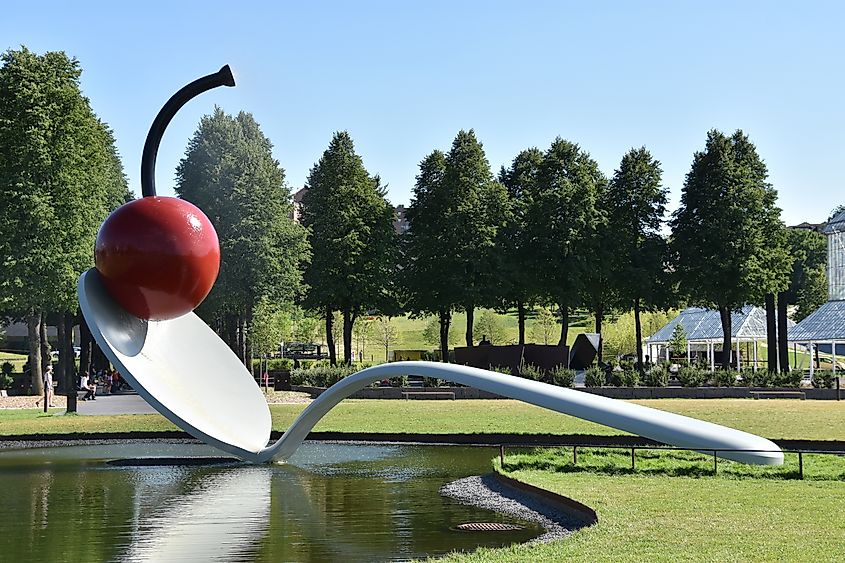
{"x": 187, "y": 373}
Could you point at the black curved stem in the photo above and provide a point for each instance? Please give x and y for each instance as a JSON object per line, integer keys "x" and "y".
{"x": 222, "y": 77}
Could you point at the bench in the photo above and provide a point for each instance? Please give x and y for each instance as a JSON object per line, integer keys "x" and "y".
{"x": 778, "y": 395}
{"x": 428, "y": 394}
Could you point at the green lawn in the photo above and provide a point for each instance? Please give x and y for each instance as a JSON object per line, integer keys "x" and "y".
{"x": 816, "y": 420}
{"x": 659, "y": 518}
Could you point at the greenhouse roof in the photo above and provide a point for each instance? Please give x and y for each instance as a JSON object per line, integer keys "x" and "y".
{"x": 827, "y": 323}
{"x": 706, "y": 324}
{"x": 836, "y": 224}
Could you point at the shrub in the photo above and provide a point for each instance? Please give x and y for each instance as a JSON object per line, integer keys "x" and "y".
{"x": 321, "y": 376}
{"x": 725, "y": 378}
{"x": 692, "y": 376}
{"x": 561, "y": 376}
{"x": 656, "y": 376}
{"x": 594, "y": 377}
{"x": 530, "y": 372}
{"x": 629, "y": 378}
{"x": 823, "y": 379}
{"x": 789, "y": 379}
{"x": 759, "y": 378}
{"x": 500, "y": 369}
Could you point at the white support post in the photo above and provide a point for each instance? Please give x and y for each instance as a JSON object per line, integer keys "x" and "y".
{"x": 668, "y": 359}
{"x": 812, "y": 358}
{"x": 712, "y": 356}
{"x": 689, "y": 359}
{"x": 755, "y": 354}
{"x": 833, "y": 352}
{"x": 738, "y": 347}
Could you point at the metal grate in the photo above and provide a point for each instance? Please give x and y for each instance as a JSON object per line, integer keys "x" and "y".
{"x": 488, "y": 527}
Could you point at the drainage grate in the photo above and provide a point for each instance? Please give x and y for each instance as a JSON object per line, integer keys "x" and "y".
{"x": 488, "y": 527}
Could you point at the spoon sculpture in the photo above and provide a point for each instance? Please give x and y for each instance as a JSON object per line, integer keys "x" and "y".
{"x": 157, "y": 259}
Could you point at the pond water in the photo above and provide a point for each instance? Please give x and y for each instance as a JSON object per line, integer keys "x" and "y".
{"x": 331, "y": 502}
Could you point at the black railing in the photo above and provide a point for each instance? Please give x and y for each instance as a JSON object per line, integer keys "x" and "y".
{"x": 633, "y": 450}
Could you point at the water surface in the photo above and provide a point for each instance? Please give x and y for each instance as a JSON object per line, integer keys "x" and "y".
{"x": 331, "y": 502}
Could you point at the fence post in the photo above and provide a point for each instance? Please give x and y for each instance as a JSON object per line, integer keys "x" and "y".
{"x": 800, "y": 465}
{"x": 502, "y": 455}
{"x": 574, "y": 455}
{"x": 715, "y": 466}
{"x": 633, "y": 465}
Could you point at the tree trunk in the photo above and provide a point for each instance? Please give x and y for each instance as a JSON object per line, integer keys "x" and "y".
{"x": 783, "y": 343}
{"x": 771, "y": 334}
{"x": 34, "y": 334}
{"x": 248, "y": 338}
{"x": 86, "y": 356}
{"x": 45, "y": 343}
{"x": 725, "y": 314}
{"x": 61, "y": 368}
{"x": 445, "y": 321}
{"x": 470, "y": 309}
{"x": 330, "y": 337}
{"x": 348, "y": 321}
{"x": 69, "y": 378}
{"x": 564, "y": 325}
{"x": 230, "y": 332}
{"x": 520, "y": 313}
{"x": 599, "y": 319}
{"x": 638, "y": 330}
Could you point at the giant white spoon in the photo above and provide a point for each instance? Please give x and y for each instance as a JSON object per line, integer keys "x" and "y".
{"x": 187, "y": 373}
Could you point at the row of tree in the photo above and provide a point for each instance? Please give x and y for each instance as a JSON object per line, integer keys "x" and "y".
{"x": 549, "y": 229}
{"x": 60, "y": 176}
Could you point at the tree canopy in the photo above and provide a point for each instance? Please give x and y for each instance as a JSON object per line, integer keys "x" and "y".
{"x": 229, "y": 172}
{"x": 728, "y": 239}
{"x": 350, "y": 230}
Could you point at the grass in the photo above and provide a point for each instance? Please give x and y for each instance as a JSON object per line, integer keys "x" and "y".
{"x": 792, "y": 419}
{"x": 658, "y": 518}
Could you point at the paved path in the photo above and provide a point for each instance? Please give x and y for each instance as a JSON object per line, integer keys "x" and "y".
{"x": 129, "y": 403}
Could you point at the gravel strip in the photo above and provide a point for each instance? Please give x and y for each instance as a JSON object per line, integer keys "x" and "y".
{"x": 486, "y": 492}
{"x": 26, "y": 444}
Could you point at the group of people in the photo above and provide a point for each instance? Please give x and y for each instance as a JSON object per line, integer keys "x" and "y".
{"x": 111, "y": 382}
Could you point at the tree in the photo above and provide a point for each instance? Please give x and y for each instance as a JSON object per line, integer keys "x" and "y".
{"x": 477, "y": 210}
{"x": 353, "y": 244}
{"x": 387, "y": 334}
{"x": 229, "y": 172}
{"x": 429, "y": 274}
{"x": 727, "y": 236}
{"x": 431, "y": 332}
{"x": 516, "y": 276}
{"x": 271, "y": 325}
{"x": 362, "y": 332}
{"x": 59, "y": 178}
{"x": 808, "y": 279}
{"x": 561, "y": 220}
{"x": 678, "y": 341}
{"x": 636, "y": 202}
{"x": 490, "y": 327}
{"x": 545, "y": 325}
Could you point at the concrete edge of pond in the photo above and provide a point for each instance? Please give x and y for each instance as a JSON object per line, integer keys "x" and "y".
{"x": 558, "y": 515}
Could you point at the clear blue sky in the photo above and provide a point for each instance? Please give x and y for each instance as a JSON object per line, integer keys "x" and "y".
{"x": 404, "y": 77}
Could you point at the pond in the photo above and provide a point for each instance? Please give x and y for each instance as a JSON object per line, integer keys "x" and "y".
{"x": 331, "y": 502}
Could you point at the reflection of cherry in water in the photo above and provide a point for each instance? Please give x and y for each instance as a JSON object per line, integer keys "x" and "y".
{"x": 158, "y": 257}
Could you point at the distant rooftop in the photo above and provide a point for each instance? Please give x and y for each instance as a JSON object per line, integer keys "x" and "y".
{"x": 827, "y": 323}
{"x": 701, "y": 325}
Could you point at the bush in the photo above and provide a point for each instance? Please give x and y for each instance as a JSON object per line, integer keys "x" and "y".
{"x": 500, "y": 369}
{"x": 594, "y": 377}
{"x": 321, "y": 376}
{"x": 629, "y": 378}
{"x": 692, "y": 376}
{"x": 562, "y": 377}
{"x": 6, "y": 379}
{"x": 789, "y": 379}
{"x": 530, "y": 372}
{"x": 760, "y": 378}
{"x": 656, "y": 376}
{"x": 724, "y": 378}
{"x": 823, "y": 379}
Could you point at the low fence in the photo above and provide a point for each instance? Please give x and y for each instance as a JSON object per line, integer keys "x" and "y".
{"x": 661, "y": 448}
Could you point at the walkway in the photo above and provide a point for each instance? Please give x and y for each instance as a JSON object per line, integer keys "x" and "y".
{"x": 121, "y": 403}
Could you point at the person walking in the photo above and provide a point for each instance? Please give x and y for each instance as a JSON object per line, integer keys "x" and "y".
{"x": 47, "y": 378}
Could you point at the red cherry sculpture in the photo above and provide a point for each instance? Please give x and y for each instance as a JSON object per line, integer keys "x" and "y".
{"x": 158, "y": 257}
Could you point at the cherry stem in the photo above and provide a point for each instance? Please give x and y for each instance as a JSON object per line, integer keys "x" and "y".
{"x": 222, "y": 77}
